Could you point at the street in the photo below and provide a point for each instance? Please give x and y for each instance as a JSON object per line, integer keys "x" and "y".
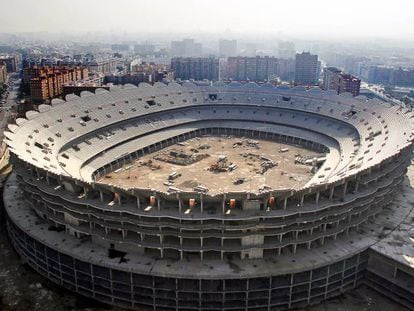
{"x": 7, "y": 110}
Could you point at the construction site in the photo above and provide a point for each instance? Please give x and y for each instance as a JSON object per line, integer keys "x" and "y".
{"x": 219, "y": 197}
{"x": 220, "y": 164}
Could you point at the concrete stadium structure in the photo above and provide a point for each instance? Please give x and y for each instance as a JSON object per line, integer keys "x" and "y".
{"x": 150, "y": 249}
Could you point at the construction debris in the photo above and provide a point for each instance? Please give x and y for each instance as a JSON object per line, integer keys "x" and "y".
{"x": 239, "y": 181}
{"x": 252, "y": 143}
{"x": 266, "y": 165}
{"x": 314, "y": 161}
{"x": 201, "y": 189}
{"x": 204, "y": 146}
{"x": 181, "y": 157}
{"x": 222, "y": 165}
{"x": 247, "y": 142}
{"x": 173, "y": 175}
{"x": 150, "y": 165}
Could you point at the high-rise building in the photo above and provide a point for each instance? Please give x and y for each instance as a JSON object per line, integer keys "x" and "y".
{"x": 335, "y": 79}
{"x": 227, "y": 48}
{"x": 149, "y": 73}
{"x": 46, "y": 83}
{"x": 377, "y": 74}
{"x": 3, "y": 73}
{"x": 402, "y": 77}
{"x": 186, "y": 47}
{"x": 251, "y": 68}
{"x": 103, "y": 65}
{"x": 330, "y": 74}
{"x": 348, "y": 83}
{"x": 306, "y": 69}
{"x": 11, "y": 61}
{"x": 197, "y": 68}
{"x": 286, "y": 68}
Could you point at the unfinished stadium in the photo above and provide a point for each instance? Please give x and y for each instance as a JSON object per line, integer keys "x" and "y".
{"x": 212, "y": 197}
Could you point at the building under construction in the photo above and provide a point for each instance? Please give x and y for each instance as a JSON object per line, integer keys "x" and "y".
{"x": 304, "y": 195}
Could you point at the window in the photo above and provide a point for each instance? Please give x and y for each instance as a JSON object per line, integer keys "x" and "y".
{"x": 151, "y": 102}
{"x": 86, "y": 118}
{"x": 38, "y": 145}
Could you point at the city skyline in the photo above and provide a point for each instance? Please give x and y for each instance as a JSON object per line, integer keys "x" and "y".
{"x": 317, "y": 18}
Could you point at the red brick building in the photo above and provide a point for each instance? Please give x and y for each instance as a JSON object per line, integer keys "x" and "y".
{"x": 46, "y": 83}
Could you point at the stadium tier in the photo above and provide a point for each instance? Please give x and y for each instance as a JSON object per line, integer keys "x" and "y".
{"x": 206, "y": 197}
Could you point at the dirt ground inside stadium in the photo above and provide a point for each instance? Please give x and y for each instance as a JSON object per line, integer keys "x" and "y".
{"x": 219, "y": 164}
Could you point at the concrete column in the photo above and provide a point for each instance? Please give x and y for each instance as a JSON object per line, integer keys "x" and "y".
{"x": 345, "y": 189}
{"x": 201, "y": 203}
{"x": 224, "y": 204}
{"x": 302, "y": 198}
{"x": 158, "y": 204}
{"x": 322, "y": 240}
{"x": 294, "y": 248}
{"x": 356, "y": 186}
{"x": 101, "y": 196}
{"x": 179, "y": 203}
{"x": 317, "y": 197}
{"x": 285, "y": 203}
{"x": 309, "y": 244}
{"x": 279, "y": 251}
{"x": 331, "y": 193}
{"x": 138, "y": 203}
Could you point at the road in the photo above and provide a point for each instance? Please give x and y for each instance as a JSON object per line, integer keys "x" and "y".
{"x": 374, "y": 88}
{"x": 7, "y": 110}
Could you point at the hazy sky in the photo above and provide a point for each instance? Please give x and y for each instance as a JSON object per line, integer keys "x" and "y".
{"x": 373, "y": 18}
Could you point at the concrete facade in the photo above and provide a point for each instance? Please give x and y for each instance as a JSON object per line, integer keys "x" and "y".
{"x": 148, "y": 249}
